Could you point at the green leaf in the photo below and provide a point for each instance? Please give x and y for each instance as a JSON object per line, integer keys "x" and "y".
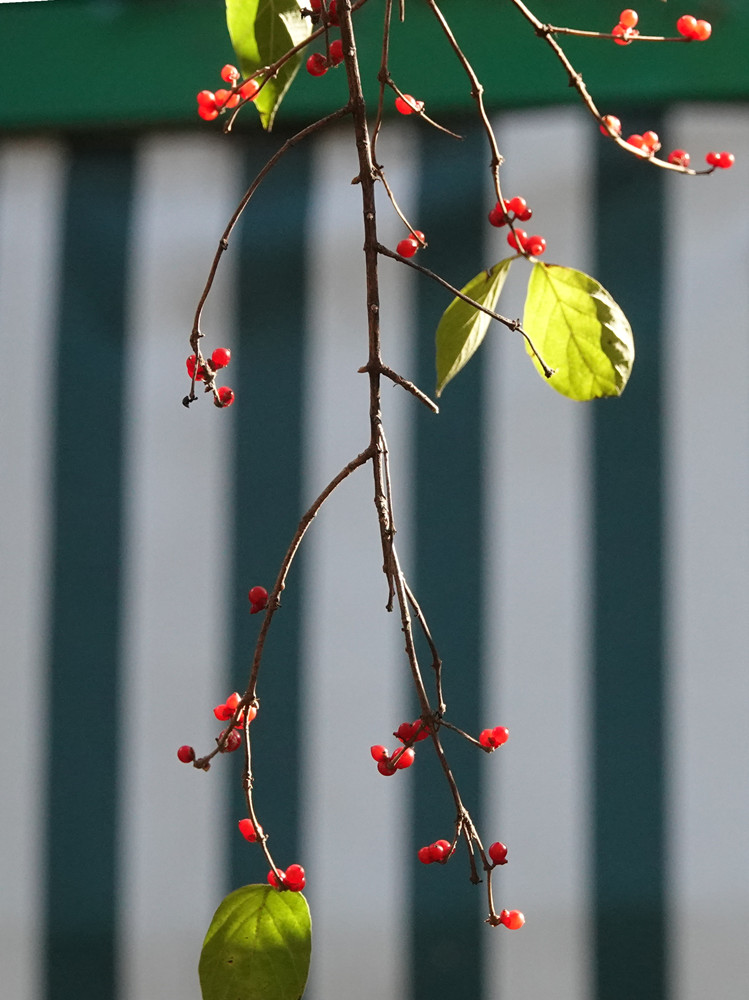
{"x": 580, "y": 331}
{"x": 257, "y": 947}
{"x": 463, "y": 327}
{"x": 261, "y": 31}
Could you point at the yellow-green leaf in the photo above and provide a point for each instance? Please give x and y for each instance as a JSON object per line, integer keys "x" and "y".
{"x": 580, "y": 331}
{"x": 261, "y": 31}
{"x": 463, "y": 326}
{"x": 257, "y": 947}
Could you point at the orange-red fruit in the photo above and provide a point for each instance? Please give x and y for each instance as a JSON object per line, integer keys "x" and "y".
{"x": 225, "y": 99}
{"x": 385, "y": 767}
{"x": 225, "y": 396}
{"x": 248, "y": 90}
{"x": 679, "y": 156}
{"x": 497, "y": 216}
{"x": 638, "y": 142}
{"x": 207, "y": 113}
{"x": 258, "y": 595}
{"x": 512, "y": 919}
{"x": 294, "y": 878}
{"x": 702, "y": 31}
{"x": 229, "y": 73}
{"x": 493, "y": 738}
{"x": 517, "y": 239}
{"x": 424, "y": 854}
{"x": 623, "y": 34}
{"x": 535, "y": 245}
{"x": 336, "y": 51}
{"x": 440, "y": 850}
{"x": 272, "y": 880}
{"x": 406, "y": 759}
{"x": 379, "y": 753}
{"x": 232, "y": 741}
{"x": 186, "y": 754}
{"x": 498, "y": 853}
{"x": 247, "y": 830}
{"x": 628, "y": 18}
{"x": 652, "y": 141}
{"x": 408, "y": 104}
{"x": 317, "y": 64}
{"x": 223, "y": 713}
{"x": 686, "y": 25}
{"x": 614, "y": 124}
{"x": 207, "y": 99}
{"x": 407, "y": 247}
{"x": 220, "y": 358}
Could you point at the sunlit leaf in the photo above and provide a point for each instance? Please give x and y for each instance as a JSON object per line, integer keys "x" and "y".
{"x": 257, "y": 947}
{"x": 580, "y": 331}
{"x": 463, "y": 326}
{"x": 261, "y": 31}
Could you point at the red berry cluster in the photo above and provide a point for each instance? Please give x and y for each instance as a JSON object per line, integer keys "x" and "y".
{"x": 493, "y": 738}
{"x": 722, "y": 160}
{"x": 516, "y": 210}
{"x": 409, "y": 246}
{"x": 398, "y": 760}
{"x": 258, "y": 597}
{"x": 647, "y": 143}
{"x": 694, "y": 30}
{"x": 210, "y": 104}
{"x": 438, "y": 852}
{"x": 318, "y": 63}
{"x": 408, "y": 105}
{"x": 293, "y": 878}
{"x": 625, "y": 30}
{"x": 223, "y": 713}
{"x": 219, "y": 359}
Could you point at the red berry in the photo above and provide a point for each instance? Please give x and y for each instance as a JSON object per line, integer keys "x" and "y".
{"x": 686, "y": 25}
{"x": 207, "y": 113}
{"x": 186, "y": 754}
{"x": 232, "y": 741}
{"x": 497, "y": 216}
{"x": 713, "y": 158}
{"x": 190, "y": 363}
{"x": 233, "y": 700}
{"x": 220, "y": 357}
{"x": 406, "y": 759}
{"x": 424, "y": 854}
{"x": 206, "y": 99}
{"x": 223, "y": 713}
{"x": 336, "y": 51}
{"x": 498, "y": 853}
{"x": 272, "y": 880}
{"x": 628, "y": 18}
{"x": 315, "y": 5}
{"x": 407, "y": 247}
{"x": 638, "y": 142}
{"x": 535, "y": 245}
{"x": 679, "y": 157}
{"x": 230, "y": 74}
{"x": 408, "y": 104}
{"x": 258, "y": 595}
{"x": 440, "y": 850}
{"x": 225, "y": 396}
{"x": 317, "y": 64}
{"x": 702, "y": 31}
{"x": 247, "y": 830}
{"x": 623, "y": 34}
{"x": 517, "y": 205}
{"x": 419, "y": 237}
{"x": 512, "y": 919}
{"x": 652, "y": 141}
{"x": 725, "y": 160}
{"x": 404, "y": 732}
{"x": 333, "y": 13}
{"x": 613, "y": 124}
{"x": 500, "y": 734}
{"x": 379, "y": 753}
{"x": 517, "y": 239}
{"x": 225, "y": 99}
{"x": 422, "y": 733}
{"x": 294, "y": 878}
{"x": 248, "y": 90}
{"x": 385, "y": 767}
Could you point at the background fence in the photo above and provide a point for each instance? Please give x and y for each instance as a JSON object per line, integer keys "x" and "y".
{"x": 585, "y": 567}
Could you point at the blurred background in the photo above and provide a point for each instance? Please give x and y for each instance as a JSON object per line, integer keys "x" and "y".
{"x": 584, "y": 567}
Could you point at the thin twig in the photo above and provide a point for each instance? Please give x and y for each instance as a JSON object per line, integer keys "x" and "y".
{"x": 512, "y": 324}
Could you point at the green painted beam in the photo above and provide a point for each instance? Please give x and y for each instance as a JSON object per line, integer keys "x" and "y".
{"x": 99, "y": 63}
